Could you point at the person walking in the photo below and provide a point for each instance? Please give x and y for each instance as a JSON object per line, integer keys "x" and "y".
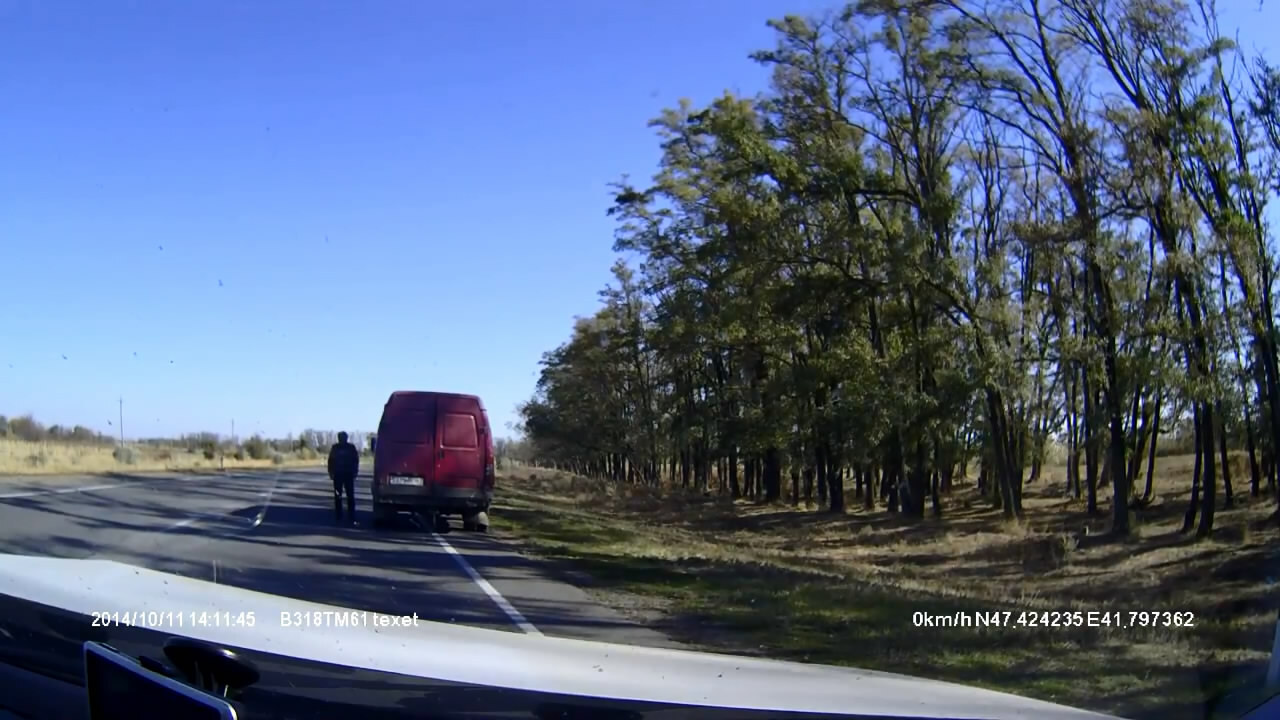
{"x": 344, "y": 466}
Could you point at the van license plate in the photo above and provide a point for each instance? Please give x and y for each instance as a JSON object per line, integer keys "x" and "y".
{"x": 403, "y": 480}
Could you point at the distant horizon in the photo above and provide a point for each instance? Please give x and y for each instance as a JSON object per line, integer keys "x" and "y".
{"x": 505, "y": 434}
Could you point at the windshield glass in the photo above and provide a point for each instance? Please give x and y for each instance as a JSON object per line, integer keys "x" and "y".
{"x": 927, "y": 338}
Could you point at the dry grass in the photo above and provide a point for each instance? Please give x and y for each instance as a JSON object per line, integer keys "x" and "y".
{"x": 23, "y": 458}
{"x": 807, "y": 585}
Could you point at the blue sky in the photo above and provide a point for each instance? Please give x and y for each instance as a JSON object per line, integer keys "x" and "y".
{"x": 289, "y": 209}
{"x": 279, "y": 212}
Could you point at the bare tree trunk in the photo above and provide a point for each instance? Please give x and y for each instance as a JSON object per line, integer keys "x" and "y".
{"x": 734, "y": 490}
{"x": 1119, "y": 480}
{"x": 1251, "y": 446}
{"x": 1210, "y": 484}
{"x": 821, "y": 465}
{"x": 832, "y": 460}
{"x": 835, "y": 480}
{"x": 1004, "y": 455}
{"x": 1143, "y": 431}
{"x": 1090, "y": 445}
{"x": 935, "y": 497}
{"x": 1189, "y": 518}
{"x": 869, "y": 478}
{"x": 772, "y": 474}
{"x": 795, "y": 484}
{"x": 891, "y": 479}
{"x": 917, "y": 482}
{"x": 1228, "y": 496}
{"x": 1155, "y": 438}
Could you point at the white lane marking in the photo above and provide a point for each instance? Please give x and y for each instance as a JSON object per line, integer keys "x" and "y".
{"x": 63, "y": 491}
{"x": 503, "y": 604}
{"x": 262, "y": 511}
{"x": 181, "y": 524}
{"x": 257, "y": 520}
{"x": 293, "y": 491}
{"x": 91, "y": 488}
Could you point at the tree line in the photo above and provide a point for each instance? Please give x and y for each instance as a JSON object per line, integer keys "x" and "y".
{"x": 256, "y": 446}
{"x": 26, "y": 427}
{"x": 259, "y": 447}
{"x": 952, "y": 235}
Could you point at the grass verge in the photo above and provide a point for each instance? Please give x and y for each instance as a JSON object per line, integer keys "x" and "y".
{"x": 24, "y": 458}
{"x": 856, "y": 589}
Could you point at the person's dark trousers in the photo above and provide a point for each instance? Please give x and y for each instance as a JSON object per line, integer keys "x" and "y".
{"x": 344, "y": 485}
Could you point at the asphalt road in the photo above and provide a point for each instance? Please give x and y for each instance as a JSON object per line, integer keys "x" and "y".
{"x": 273, "y": 531}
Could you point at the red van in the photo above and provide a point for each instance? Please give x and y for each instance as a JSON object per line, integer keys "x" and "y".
{"x": 434, "y": 456}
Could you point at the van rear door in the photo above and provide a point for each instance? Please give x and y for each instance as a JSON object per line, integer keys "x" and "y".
{"x": 461, "y": 443}
{"x": 407, "y": 440}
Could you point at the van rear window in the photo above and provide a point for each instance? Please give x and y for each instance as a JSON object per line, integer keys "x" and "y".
{"x": 407, "y": 425}
{"x": 459, "y": 431}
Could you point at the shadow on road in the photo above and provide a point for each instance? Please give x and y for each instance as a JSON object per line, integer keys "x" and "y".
{"x": 287, "y": 543}
{"x": 402, "y": 569}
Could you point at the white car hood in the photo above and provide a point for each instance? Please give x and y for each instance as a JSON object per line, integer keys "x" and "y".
{"x": 497, "y": 658}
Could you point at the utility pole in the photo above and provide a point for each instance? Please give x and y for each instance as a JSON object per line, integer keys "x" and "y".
{"x": 121, "y": 418}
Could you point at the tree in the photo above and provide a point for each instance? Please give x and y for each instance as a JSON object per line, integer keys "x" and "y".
{"x": 950, "y": 230}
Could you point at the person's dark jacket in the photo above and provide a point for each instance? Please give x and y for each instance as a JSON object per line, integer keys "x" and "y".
{"x": 344, "y": 460}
